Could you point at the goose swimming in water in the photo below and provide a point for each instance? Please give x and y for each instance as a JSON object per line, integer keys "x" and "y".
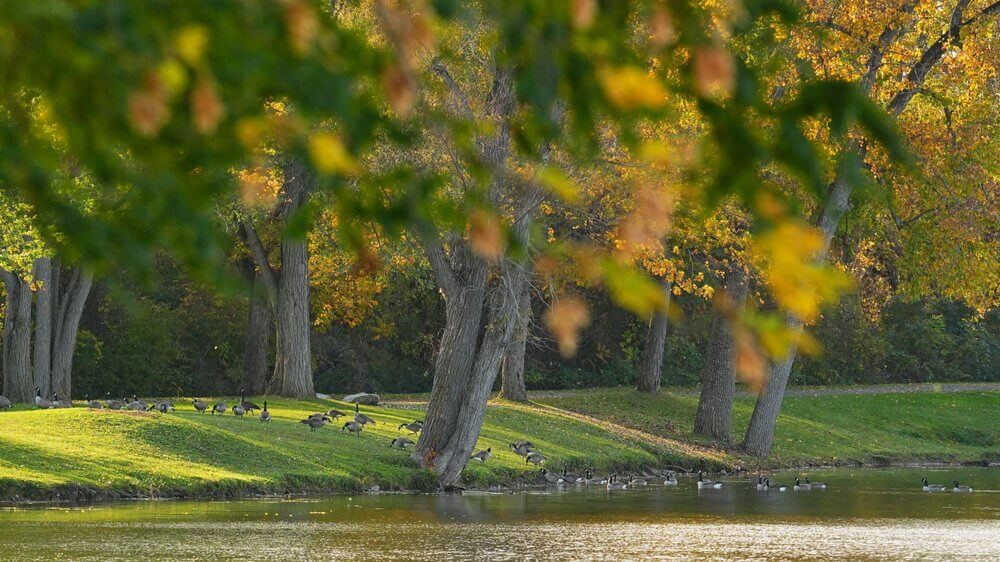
{"x": 760, "y": 482}
{"x": 615, "y": 484}
{"x": 707, "y": 484}
{"x": 957, "y": 488}
{"x": 637, "y": 482}
{"x": 932, "y": 487}
{"x": 799, "y": 486}
{"x": 482, "y": 456}
{"x": 671, "y": 479}
{"x": 816, "y": 485}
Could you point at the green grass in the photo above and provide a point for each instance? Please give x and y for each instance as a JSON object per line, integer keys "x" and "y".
{"x": 81, "y": 454}
{"x": 838, "y": 429}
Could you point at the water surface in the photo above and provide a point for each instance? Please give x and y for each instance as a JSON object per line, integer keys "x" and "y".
{"x": 863, "y": 515}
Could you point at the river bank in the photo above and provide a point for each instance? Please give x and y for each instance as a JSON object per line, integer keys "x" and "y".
{"x": 81, "y": 455}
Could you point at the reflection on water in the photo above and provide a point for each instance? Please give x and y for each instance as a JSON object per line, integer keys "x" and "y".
{"x": 865, "y": 514}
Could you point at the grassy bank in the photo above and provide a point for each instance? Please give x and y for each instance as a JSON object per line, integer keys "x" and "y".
{"x": 81, "y": 454}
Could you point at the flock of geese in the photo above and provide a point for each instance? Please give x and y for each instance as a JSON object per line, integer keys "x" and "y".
{"x": 525, "y": 449}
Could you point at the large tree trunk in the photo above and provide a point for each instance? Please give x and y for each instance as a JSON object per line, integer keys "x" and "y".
{"x": 512, "y": 370}
{"x": 651, "y": 364}
{"x": 718, "y": 378}
{"x": 257, "y": 340}
{"x": 67, "y": 326}
{"x": 45, "y": 295}
{"x": 18, "y": 383}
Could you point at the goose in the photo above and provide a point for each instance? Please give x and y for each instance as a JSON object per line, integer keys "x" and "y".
{"x": 707, "y": 484}
{"x": 5, "y": 403}
{"x": 551, "y": 477}
{"x": 220, "y": 407}
{"x": 816, "y": 485}
{"x": 522, "y": 450}
{"x": 41, "y": 402}
{"x": 361, "y": 418}
{"x": 760, "y": 482}
{"x": 585, "y": 479}
{"x": 534, "y": 458}
{"x": 335, "y": 413}
{"x": 315, "y": 423}
{"x": 779, "y": 487}
{"x": 932, "y": 487}
{"x": 414, "y": 426}
{"x": 671, "y": 479}
{"x": 637, "y": 482}
{"x": 401, "y": 442}
{"x": 957, "y": 488}
{"x": 239, "y": 410}
{"x": 92, "y": 404}
{"x": 615, "y": 484}
{"x": 353, "y": 427}
{"x": 595, "y": 480}
{"x": 799, "y": 486}
{"x": 248, "y": 407}
{"x": 200, "y": 405}
{"x": 570, "y": 478}
{"x": 482, "y": 456}
{"x": 163, "y": 406}
{"x": 115, "y": 404}
{"x": 57, "y": 403}
{"x": 525, "y": 444}
{"x": 767, "y": 484}
{"x": 137, "y": 405}
{"x": 265, "y": 416}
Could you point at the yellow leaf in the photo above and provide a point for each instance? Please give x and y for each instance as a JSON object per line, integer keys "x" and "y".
{"x": 556, "y": 181}
{"x": 631, "y": 88}
{"x": 190, "y": 42}
{"x": 485, "y": 235}
{"x": 330, "y": 156}
{"x": 565, "y": 318}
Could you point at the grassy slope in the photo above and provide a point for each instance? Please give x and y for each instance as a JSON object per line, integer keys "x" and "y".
{"x": 925, "y": 426}
{"x": 79, "y": 453}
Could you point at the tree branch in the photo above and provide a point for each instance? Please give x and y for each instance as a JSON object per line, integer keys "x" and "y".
{"x": 461, "y": 102}
{"x": 431, "y": 244}
{"x": 267, "y": 273}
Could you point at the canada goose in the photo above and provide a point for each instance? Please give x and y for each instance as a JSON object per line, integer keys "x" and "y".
{"x": 401, "y": 442}
{"x": 482, "y": 456}
{"x": 525, "y": 444}
{"x": 41, "y": 402}
{"x": 615, "y": 484}
{"x": 353, "y": 427}
{"x": 361, "y": 418}
{"x": 799, "y": 486}
{"x": 534, "y": 458}
{"x": 552, "y": 478}
{"x": 932, "y": 487}
{"x": 637, "y": 482}
{"x": 92, "y": 404}
{"x": 220, "y": 407}
{"x": 570, "y": 478}
{"x": 200, "y": 405}
{"x": 114, "y": 404}
{"x": 816, "y": 485}
{"x": 315, "y": 423}
{"x": 671, "y": 479}
{"x": 265, "y": 416}
{"x": 5, "y": 403}
{"x": 522, "y": 450}
{"x": 707, "y": 484}
{"x": 957, "y": 488}
{"x": 594, "y": 480}
{"x": 414, "y": 426}
{"x": 57, "y": 403}
{"x": 137, "y": 405}
{"x": 779, "y": 487}
{"x": 767, "y": 484}
{"x": 760, "y": 482}
{"x": 248, "y": 407}
{"x": 239, "y": 410}
{"x": 335, "y": 413}
{"x": 163, "y": 406}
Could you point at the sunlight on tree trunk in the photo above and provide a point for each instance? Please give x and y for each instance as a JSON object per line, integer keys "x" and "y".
{"x": 651, "y": 365}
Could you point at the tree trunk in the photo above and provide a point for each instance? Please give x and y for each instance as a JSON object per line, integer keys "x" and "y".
{"x": 718, "y": 378}
{"x": 18, "y": 383}
{"x": 67, "y": 327}
{"x": 257, "y": 340}
{"x": 512, "y": 370}
{"x": 651, "y": 365}
{"x": 44, "y": 304}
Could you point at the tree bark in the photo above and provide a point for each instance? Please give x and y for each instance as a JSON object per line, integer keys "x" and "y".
{"x": 67, "y": 327}
{"x": 718, "y": 378}
{"x": 651, "y": 364}
{"x": 512, "y": 370}
{"x": 18, "y": 383}
{"x": 44, "y": 293}
{"x": 257, "y": 340}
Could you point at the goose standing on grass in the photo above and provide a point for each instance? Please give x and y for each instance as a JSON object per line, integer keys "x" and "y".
{"x": 534, "y": 457}
{"x": 957, "y": 488}
{"x": 239, "y": 410}
{"x": 361, "y": 418}
{"x": 482, "y": 456}
{"x": 200, "y": 405}
{"x": 92, "y": 404}
{"x": 352, "y": 427}
{"x": 5, "y": 403}
{"x": 707, "y": 484}
{"x": 615, "y": 484}
{"x": 671, "y": 479}
{"x": 57, "y": 403}
{"x": 815, "y": 485}
{"x": 315, "y": 423}
{"x": 248, "y": 407}
{"x": 401, "y": 443}
{"x": 335, "y": 413}
{"x": 552, "y": 478}
{"x": 932, "y": 487}
{"x": 522, "y": 450}
{"x": 41, "y": 402}
{"x": 220, "y": 408}
{"x": 265, "y": 416}
{"x": 800, "y": 487}
{"x": 115, "y": 404}
{"x": 413, "y": 427}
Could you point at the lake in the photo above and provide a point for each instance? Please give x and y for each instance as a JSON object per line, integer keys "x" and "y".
{"x": 865, "y": 514}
